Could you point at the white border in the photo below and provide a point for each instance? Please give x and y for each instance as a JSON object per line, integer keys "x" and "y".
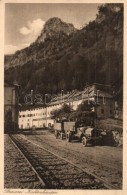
{"x": 82, "y": 192}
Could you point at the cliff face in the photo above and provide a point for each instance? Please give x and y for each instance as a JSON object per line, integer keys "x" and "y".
{"x": 65, "y": 58}
{"x": 54, "y": 26}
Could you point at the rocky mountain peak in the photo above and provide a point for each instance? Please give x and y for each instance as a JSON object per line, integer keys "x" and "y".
{"x": 53, "y": 26}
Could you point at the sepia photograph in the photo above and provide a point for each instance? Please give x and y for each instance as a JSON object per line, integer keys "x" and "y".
{"x": 63, "y": 95}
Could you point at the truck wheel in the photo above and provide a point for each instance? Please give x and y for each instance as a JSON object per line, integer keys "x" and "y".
{"x": 61, "y": 136}
{"x": 84, "y": 141}
{"x": 68, "y": 138}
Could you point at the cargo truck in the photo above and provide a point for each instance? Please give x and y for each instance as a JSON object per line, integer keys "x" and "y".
{"x": 77, "y": 131}
{"x": 59, "y": 130}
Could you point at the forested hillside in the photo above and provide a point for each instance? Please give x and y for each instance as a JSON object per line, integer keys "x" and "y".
{"x": 65, "y": 58}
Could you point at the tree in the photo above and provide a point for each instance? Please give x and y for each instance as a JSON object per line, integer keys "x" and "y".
{"x": 63, "y": 112}
{"x": 85, "y": 114}
{"x": 85, "y": 106}
{"x": 66, "y": 108}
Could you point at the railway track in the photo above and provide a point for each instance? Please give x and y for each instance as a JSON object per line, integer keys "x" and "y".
{"x": 55, "y": 172}
{"x": 48, "y": 146}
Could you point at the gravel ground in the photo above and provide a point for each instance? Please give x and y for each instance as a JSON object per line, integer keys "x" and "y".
{"x": 104, "y": 161}
{"x": 17, "y": 172}
{"x": 56, "y": 173}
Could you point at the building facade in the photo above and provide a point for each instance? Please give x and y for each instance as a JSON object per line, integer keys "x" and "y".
{"x": 42, "y": 117}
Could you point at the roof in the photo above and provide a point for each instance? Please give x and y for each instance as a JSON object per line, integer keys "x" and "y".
{"x": 10, "y": 85}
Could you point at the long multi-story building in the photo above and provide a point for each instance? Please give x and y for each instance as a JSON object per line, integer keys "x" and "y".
{"x": 42, "y": 117}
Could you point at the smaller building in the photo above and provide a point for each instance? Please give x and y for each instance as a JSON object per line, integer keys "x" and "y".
{"x": 11, "y": 100}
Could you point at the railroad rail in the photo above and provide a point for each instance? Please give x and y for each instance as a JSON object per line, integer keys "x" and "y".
{"x": 55, "y": 172}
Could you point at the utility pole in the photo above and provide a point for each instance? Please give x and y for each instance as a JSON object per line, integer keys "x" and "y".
{"x": 30, "y": 107}
{"x": 97, "y": 96}
{"x": 62, "y": 96}
{"x": 46, "y": 108}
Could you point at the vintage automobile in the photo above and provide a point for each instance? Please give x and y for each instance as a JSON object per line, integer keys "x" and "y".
{"x": 86, "y": 135}
{"x": 89, "y": 135}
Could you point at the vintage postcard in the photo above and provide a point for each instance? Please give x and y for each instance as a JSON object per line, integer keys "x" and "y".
{"x": 63, "y": 100}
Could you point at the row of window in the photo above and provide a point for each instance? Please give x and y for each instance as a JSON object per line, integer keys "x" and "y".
{"x": 28, "y": 125}
{"x": 30, "y": 115}
{"x": 40, "y": 114}
{"x": 102, "y": 112}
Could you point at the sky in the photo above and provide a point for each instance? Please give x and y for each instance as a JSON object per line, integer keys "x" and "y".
{"x": 25, "y": 21}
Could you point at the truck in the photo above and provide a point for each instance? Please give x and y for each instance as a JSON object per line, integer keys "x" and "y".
{"x": 77, "y": 131}
{"x": 59, "y": 130}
